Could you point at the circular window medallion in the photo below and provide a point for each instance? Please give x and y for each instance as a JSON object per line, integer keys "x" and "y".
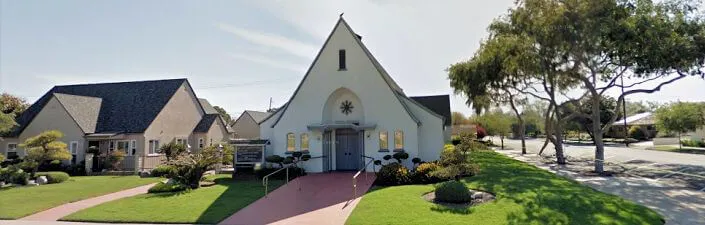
{"x": 346, "y": 107}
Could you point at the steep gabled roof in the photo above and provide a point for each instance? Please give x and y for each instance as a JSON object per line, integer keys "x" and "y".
{"x": 206, "y": 122}
{"x": 207, "y": 107}
{"x": 397, "y": 91}
{"x": 438, "y": 104}
{"x": 257, "y": 115}
{"x": 128, "y": 107}
{"x": 83, "y": 109}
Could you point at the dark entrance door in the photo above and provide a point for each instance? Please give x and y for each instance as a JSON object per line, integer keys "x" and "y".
{"x": 326, "y": 151}
{"x": 347, "y": 149}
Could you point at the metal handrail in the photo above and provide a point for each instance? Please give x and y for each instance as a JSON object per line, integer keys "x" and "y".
{"x": 354, "y": 178}
{"x": 265, "y": 179}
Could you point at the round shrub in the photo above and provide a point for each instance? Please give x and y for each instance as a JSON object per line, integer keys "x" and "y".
{"x": 453, "y": 192}
{"x": 393, "y": 174}
{"x": 422, "y": 174}
{"x": 54, "y": 177}
{"x": 163, "y": 171}
{"x": 387, "y": 157}
{"x": 637, "y": 133}
{"x": 416, "y": 160}
{"x": 14, "y": 175}
{"x": 164, "y": 187}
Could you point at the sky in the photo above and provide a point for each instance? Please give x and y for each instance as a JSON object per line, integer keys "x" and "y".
{"x": 239, "y": 54}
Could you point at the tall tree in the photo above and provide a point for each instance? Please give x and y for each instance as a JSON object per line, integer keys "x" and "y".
{"x": 10, "y": 104}
{"x": 7, "y": 121}
{"x": 681, "y": 117}
{"x": 458, "y": 118}
{"x": 496, "y": 123}
{"x": 228, "y": 119}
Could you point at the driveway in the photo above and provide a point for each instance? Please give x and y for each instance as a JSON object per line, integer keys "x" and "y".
{"x": 652, "y": 178}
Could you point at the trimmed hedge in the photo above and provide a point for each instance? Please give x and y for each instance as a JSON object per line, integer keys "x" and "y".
{"x": 163, "y": 171}
{"x": 393, "y": 174}
{"x": 164, "y": 187}
{"x": 453, "y": 191}
{"x": 54, "y": 177}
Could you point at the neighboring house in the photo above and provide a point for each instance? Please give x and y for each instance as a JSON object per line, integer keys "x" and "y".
{"x": 646, "y": 121}
{"x": 348, "y": 108}
{"x": 135, "y": 117}
{"x": 247, "y": 125}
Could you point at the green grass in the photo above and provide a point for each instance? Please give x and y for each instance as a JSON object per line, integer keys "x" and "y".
{"x": 525, "y": 195}
{"x": 206, "y": 205}
{"x": 20, "y": 202}
{"x": 667, "y": 148}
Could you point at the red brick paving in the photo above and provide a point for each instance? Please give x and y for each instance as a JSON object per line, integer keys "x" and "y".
{"x": 324, "y": 198}
{"x": 61, "y": 211}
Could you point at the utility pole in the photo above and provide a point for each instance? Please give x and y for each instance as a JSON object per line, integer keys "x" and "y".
{"x": 270, "y": 103}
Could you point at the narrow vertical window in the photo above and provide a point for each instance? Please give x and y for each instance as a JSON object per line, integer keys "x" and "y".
{"x": 11, "y": 152}
{"x": 341, "y": 59}
{"x": 383, "y": 140}
{"x": 73, "y": 148}
{"x": 133, "y": 147}
{"x": 290, "y": 142}
{"x": 304, "y": 142}
{"x": 398, "y": 140}
{"x": 200, "y": 143}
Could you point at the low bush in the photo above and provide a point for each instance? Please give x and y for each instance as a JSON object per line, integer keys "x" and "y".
{"x": 399, "y": 156}
{"x": 422, "y": 174}
{"x": 13, "y": 174}
{"x": 164, "y": 187}
{"x": 453, "y": 192}
{"x": 637, "y": 133}
{"x": 393, "y": 174}
{"x": 163, "y": 171}
{"x": 693, "y": 143}
{"x": 54, "y": 177}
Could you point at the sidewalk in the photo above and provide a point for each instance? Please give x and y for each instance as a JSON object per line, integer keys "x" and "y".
{"x": 677, "y": 204}
{"x": 61, "y": 211}
{"x": 25, "y": 222}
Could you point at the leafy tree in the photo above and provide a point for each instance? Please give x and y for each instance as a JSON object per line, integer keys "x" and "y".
{"x": 13, "y": 105}
{"x": 45, "y": 147}
{"x": 640, "y": 107}
{"x": 459, "y": 118}
{"x": 496, "y": 123}
{"x": 7, "y": 122}
{"x": 680, "y": 117}
{"x": 583, "y": 122}
{"x": 171, "y": 150}
{"x": 224, "y": 114}
{"x": 191, "y": 167}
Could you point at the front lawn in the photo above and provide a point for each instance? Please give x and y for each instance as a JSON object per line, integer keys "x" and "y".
{"x": 20, "y": 202}
{"x": 206, "y": 205}
{"x": 525, "y": 195}
{"x": 668, "y": 148}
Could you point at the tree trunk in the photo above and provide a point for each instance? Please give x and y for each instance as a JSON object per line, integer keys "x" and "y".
{"x": 545, "y": 143}
{"x": 522, "y": 127}
{"x": 501, "y": 139}
{"x": 560, "y": 156}
{"x": 597, "y": 136}
{"x": 680, "y": 144}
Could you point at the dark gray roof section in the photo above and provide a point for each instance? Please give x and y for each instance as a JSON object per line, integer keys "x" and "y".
{"x": 257, "y": 115}
{"x": 439, "y": 104}
{"x": 84, "y": 110}
{"x": 207, "y": 107}
{"x": 128, "y": 107}
{"x": 205, "y": 124}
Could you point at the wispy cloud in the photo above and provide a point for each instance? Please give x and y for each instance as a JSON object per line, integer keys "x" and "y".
{"x": 269, "y": 62}
{"x": 287, "y": 45}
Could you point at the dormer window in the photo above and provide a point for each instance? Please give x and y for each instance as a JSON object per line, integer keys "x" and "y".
{"x": 341, "y": 59}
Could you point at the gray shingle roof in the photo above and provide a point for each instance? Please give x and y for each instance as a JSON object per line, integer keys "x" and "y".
{"x": 128, "y": 107}
{"x": 207, "y": 107}
{"x": 205, "y": 124}
{"x": 440, "y": 104}
{"x": 84, "y": 110}
{"x": 257, "y": 115}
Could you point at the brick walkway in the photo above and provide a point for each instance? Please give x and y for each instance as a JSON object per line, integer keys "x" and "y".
{"x": 61, "y": 211}
{"x": 323, "y": 199}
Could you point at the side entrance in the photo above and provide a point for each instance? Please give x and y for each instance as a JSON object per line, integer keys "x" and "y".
{"x": 348, "y": 149}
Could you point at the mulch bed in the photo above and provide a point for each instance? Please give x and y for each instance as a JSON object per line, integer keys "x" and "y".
{"x": 486, "y": 197}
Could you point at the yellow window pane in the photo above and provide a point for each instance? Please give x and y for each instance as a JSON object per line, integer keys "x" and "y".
{"x": 290, "y": 142}
{"x": 398, "y": 139}
{"x": 383, "y": 140}
{"x": 304, "y": 142}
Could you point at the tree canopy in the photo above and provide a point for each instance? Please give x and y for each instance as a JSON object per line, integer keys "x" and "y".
{"x": 226, "y": 116}
{"x": 458, "y": 118}
{"x": 45, "y": 147}
{"x": 680, "y": 117}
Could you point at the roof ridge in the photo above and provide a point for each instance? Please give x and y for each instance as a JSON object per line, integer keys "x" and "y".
{"x": 121, "y": 82}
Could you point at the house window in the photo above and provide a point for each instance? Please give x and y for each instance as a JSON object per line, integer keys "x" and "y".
{"x": 180, "y": 141}
{"x": 383, "y": 140}
{"x": 11, "y": 152}
{"x": 304, "y": 142}
{"x": 290, "y": 142}
{"x": 133, "y": 147}
{"x": 200, "y": 143}
{"x": 398, "y": 140}
{"x": 341, "y": 59}
{"x": 111, "y": 146}
{"x": 73, "y": 148}
{"x": 124, "y": 146}
{"x": 153, "y": 146}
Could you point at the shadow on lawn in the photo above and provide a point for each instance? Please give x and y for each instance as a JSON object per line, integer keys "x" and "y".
{"x": 547, "y": 199}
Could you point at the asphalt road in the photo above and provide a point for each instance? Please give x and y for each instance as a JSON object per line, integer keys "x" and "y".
{"x": 614, "y": 154}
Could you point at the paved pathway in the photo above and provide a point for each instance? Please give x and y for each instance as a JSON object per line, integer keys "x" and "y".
{"x": 323, "y": 199}
{"x": 26, "y": 222}
{"x": 677, "y": 204}
{"x": 61, "y": 211}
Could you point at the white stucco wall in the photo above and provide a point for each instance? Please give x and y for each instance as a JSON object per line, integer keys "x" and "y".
{"x": 431, "y": 133}
{"x": 379, "y": 103}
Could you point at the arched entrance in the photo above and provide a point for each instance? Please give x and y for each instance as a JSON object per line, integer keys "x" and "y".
{"x": 343, "y": 113}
